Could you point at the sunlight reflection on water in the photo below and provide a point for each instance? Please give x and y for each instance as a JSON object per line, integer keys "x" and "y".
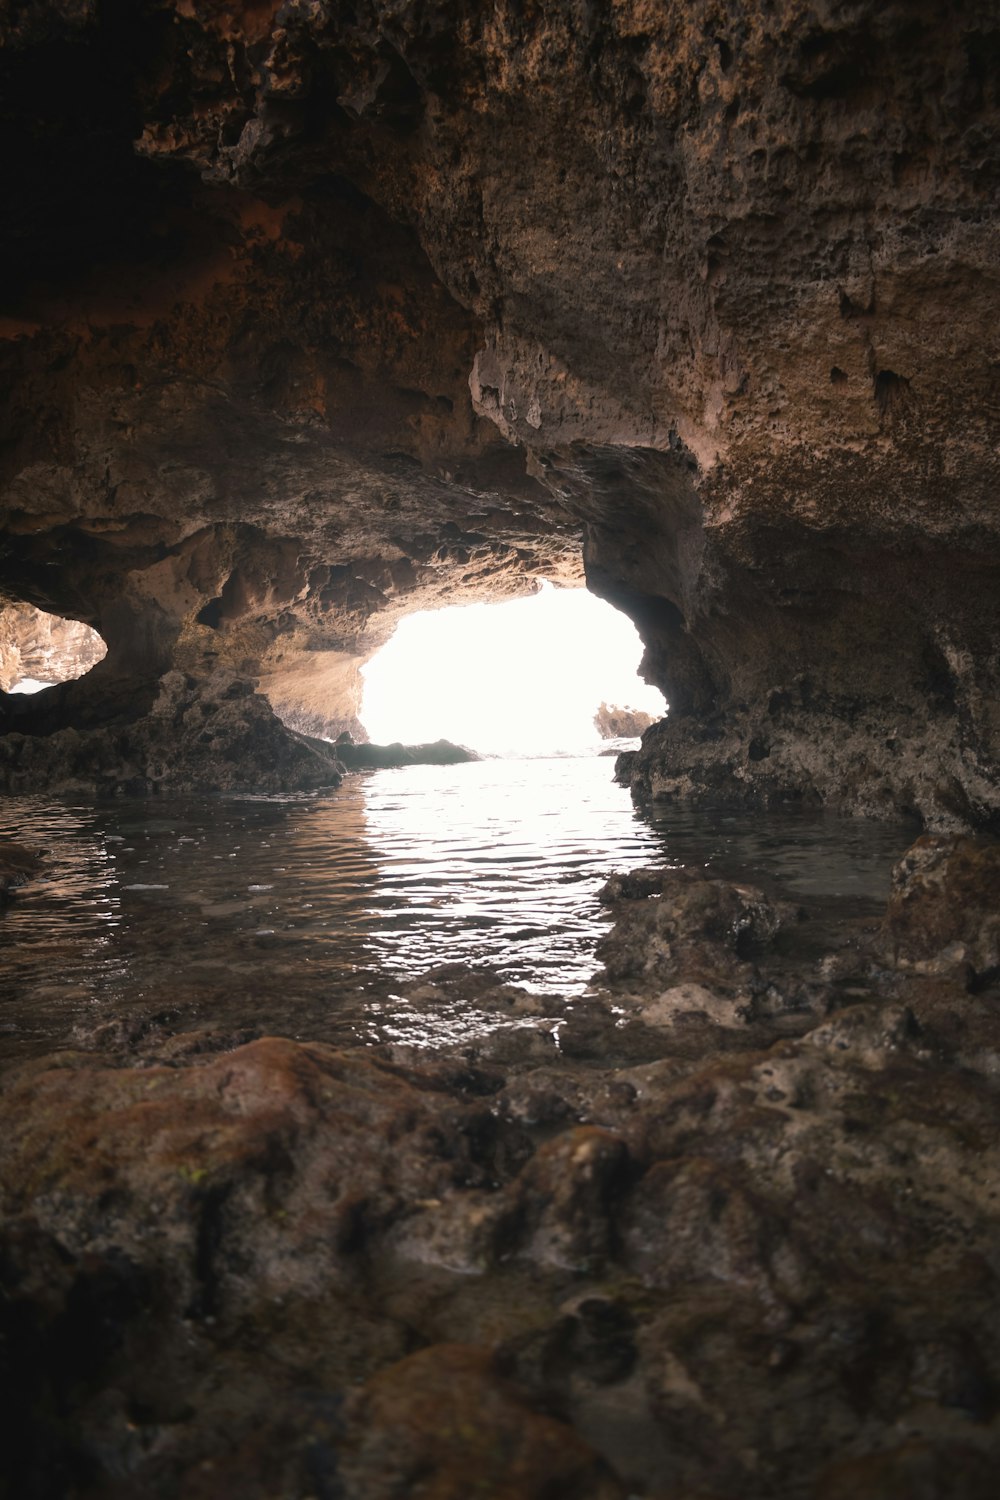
{"x": 301, "y": 914}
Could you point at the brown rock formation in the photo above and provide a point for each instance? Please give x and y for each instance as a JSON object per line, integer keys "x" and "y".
{"x": 614, "y": 722}
{"x": 44, "y": 647}
{"x": 312, "y": 318}
{"x": 313, "y": 314}
{"x": 944, "y": 908}
{"x": 18, "y": 865}
{"x": 740, "y": 1251}
{"x": 181, "y": 735}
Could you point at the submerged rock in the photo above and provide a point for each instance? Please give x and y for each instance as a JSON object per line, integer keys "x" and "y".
{"x": 680, "y": 926}
{"x": 18, "y": 865}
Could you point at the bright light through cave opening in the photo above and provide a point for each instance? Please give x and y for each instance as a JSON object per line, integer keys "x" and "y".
{"x": 38, "y": 650}
{"x": 525, "y": 677}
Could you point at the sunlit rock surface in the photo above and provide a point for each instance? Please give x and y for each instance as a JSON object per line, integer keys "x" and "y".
{"x": 615, "y": 722}
{"x": 44, "y": 647}
{"x": 311, "y": 318}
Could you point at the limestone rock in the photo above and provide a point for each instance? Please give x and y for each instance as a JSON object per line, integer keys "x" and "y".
{"x": 679, "y": 926}
{"x": 446, "y": 1421}
{"x": 944, "y": 907}
{"x": 271, "y": 1251}
{"x": 215, "y": 735}
{"x": 613, "y": 722}
{"x": 44, "y": 647}
{"x": 312, "y": 318}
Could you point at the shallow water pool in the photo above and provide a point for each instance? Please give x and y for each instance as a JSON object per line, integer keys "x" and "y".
{"x": 300, "y": 915}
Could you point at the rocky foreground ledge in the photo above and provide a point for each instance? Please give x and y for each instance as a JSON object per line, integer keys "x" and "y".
{"x": 725, "y": 1228}
{"x": 875, "y": 761}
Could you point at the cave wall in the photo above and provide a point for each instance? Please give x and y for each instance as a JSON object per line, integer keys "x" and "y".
{"x": 312, "y": 316}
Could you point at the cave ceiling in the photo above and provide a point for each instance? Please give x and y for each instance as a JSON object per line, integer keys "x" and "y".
{"x": 314, "y": 313}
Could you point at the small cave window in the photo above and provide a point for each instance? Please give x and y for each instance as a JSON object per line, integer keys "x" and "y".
{"x": 38, "y": 650}
{"x": 554, "y": 673}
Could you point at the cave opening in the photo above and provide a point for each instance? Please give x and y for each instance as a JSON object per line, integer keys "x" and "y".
{"x": 40, "y": 650}
{"x": 553, "y": 673}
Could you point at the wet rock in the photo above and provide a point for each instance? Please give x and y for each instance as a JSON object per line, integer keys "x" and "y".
{"x": 245, "y": 1174}
{"x": 349, "y": 362}
{"x": 550, "y": 1096}
{"x": 213, "y": 736}
{"x": 718, "y": 1270}
{"x": 687, "y": 1001}
{"x": 566, "y": 1197}
{"x": 920, "y": 1470}
{"x": 593, "y": 1342}
{"x": 446, "y": 1422}
{"x": 804, "y": 747}
{"x": 681, "y": 926}
{"x": 695, "y": 1220}
{"x": 18, "y": 865}
{"x": 374, "y": 757}
{"x": 63, "y": 1319}
{"x": 591, "y": 1031}
{"x": 944, "y": 907}
{"x": 869, "y": 1032}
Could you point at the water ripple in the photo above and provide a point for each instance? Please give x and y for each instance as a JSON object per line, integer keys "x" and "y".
{"x": 297, "y": 914}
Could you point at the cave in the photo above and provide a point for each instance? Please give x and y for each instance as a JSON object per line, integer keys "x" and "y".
{"x": 634, "y": 1133}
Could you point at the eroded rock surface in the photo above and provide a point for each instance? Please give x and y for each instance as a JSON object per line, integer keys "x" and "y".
{"x": 625, "y": 1247}
{"x": 311, "y": 318}
{"x": 178, "y": 735}
{"x": 44, "y": 647}
{"x": 315, "y": 314}
{"x": 613, "y": 722}
{"x": 944, "y": 908}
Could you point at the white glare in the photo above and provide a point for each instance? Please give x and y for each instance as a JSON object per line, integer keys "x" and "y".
{"x": 521, "y": 678}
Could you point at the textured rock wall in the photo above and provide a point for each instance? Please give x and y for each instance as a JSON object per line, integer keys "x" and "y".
{"x": 44, "y": 647}
{"x": 313, "y": 316}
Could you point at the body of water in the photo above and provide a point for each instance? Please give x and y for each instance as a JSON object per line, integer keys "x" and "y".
{"x": 300, "y": 915}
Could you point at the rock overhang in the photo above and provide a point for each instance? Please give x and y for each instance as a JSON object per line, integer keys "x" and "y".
{"x": 407, "y": 307}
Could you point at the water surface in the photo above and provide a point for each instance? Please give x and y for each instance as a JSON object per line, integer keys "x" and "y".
{"x": 302, "y": 915}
